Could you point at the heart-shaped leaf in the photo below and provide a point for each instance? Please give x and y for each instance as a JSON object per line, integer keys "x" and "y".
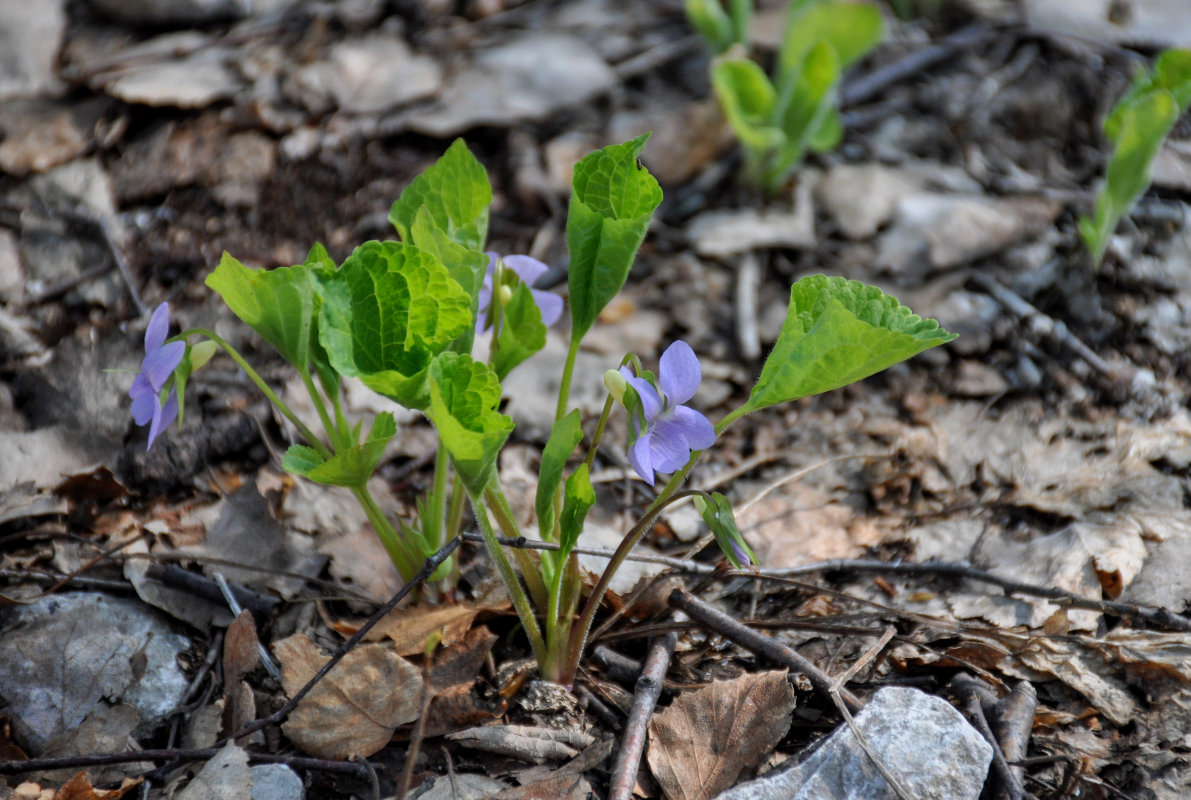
{"x": 279, "y": 304}
{"x": 836, "y": 332}
{"x": 352, "y": 467}
{"x": 464, "y": 394}
{"x": 386, "y": 313}
{"x": 456, "y": 193}
{"x": 612, "y": 200}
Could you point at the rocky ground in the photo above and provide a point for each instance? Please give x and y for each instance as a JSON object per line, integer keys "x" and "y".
{"x": 989, "y": 545}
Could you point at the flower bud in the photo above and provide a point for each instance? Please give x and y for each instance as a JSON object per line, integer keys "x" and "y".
{"x": 505, "y": 294}
{"x": 201, "y": 353}
{"x": 616, "y": 384}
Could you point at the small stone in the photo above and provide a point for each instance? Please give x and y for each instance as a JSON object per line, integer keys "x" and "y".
{"x": 920, "y": 739}
{"x": 275, "y": 782}
{"x": 30, "y": 36}
{"x": 358, "y": 76}
{"x": 728, "y": 233}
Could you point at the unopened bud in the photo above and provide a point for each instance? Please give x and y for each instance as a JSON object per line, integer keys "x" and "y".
{"x": 201, "y": 353}
{"x": 616, "y": 384}
{"x": 505, "y": 294}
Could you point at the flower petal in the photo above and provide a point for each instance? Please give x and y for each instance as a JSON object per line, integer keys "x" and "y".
{"x": 695, "y": 428}
{"x": 526, "y": 268}
{"x": 668, "y": 447}
{"x": 159, "y": 327}
{"x": 679, "y": 373}
{"x": 140, "y": 386}
{"x": 163, "y": 416}
{"x": 144, "y": 407}
{"x": 158, "y": 364}
{"x": 651, "y": 404}
{"x": 642, "y": 459}
{"x": 549, "y": 304}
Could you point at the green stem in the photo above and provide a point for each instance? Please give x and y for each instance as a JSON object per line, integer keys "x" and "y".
{"x": 393, "y": 544}
{"x": 599, "y": 431}
{"x": 308, "y": 434}
{"x": 516, "y": 592}
{"x": 507, "y": 522}
{"x": 436, "y": 508}
{"x": 564, "y": 388}
{"x": 455, "y": 512}
{"x": 334, "y": 434}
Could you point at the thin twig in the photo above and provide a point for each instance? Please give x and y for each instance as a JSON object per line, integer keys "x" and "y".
{"x": 834, "y": 691}
{"x": 173, "y": 755}
{"x": 876, "y": 82}
{"x": 645, "y": 698}
{"x": 758, "y": 643}
{"x": 976, "y": 700}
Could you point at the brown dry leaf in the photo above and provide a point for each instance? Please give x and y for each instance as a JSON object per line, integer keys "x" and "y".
{"x": 525, "y": 742}
{"x": 356, "y": 707}
{"x": 410, "y": 627}
{"x": 79, "y": 788}
{"x": 699, "y": 746}
{"x": 557, "y": 787}
{"x": 240, "y": 655}
{"x": 799, "y": 524}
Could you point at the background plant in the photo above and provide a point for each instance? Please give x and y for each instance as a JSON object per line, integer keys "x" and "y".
{"x": 401, "y": 316}
{"x": 779, "y": 119}
{"x": 1137, "y": 126}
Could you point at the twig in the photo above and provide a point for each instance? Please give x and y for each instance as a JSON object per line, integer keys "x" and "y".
{"x": 655, "y": 57}
{"x": 834, "y": 691}
{"x": 975, "y": 700}
{"x": 876, "y": 82}
{"x": 184, "y": 580}
{"x": 645, "y": 698}
{"x": 1153, "y": 615}
{"x": 1013, "y": 721}
{"x": 419, "y": 731}
{"x": 758, "y": 643}
{"x": 174, "y": 755}
{"x": 280, "y": 714}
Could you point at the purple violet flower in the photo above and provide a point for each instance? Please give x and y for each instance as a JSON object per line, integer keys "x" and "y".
{"x": 672, "y": 430}
{"x": 527, "y": 270}
{"x": 161, "y": 360}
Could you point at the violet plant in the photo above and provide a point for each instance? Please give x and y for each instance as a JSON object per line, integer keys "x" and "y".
{"x": 402, "y": 317}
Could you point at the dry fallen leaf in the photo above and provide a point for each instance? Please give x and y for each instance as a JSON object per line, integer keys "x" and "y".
{"x": 410, "y": 627}
{"x": 699, "y": 746}
{"x": 240, "y": 655}
{"x": 224, "y": 777}
{"x": 79, "y": 788}
{"x": 524, "y": 742}
{"x": 356, "y": 707}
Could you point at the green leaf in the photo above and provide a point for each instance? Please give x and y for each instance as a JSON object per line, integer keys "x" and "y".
{"x": 1142, "y": 126}
{"x": 463, "y": 399}
{"x": 851, "y": 29}
{"x": 810, "y": 103}
{"x": 456, "y": 193}
{"x": 466, "y": 266}
{"x": 612, "y": 200}
{"x": 748, "y": 100}
{"x": 828, "y": 133}
{"x": 521, "y": 331}
{"x": 1172, "y": 72}
{"x": 300, "y": 459}
{"x": 710, "y": 19}
{"x": 279, "y": 304}
{"x": 836, "y": 332}
{"x": 386, "y": 313}
{"x": 578, "y": 498}
{"x": 717, "y": 513}
{"x": 351, "y": 467}
{"x": 321, "y": 265}
{"x": 564, "y": 436}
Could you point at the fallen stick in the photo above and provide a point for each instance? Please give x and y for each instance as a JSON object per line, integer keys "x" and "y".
{"x": 645, "y": 699}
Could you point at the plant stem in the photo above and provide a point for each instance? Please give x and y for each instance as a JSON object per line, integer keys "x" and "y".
{"x": 393, "y": 544}
{"x": 334, "y": 434}
{"x": 455, "y": 512}
{"x": 568, "y": 370}
{"x": 436, "y": 508}
{"x": 516, "y": 592}
{"x": 308, "y": 434}
{"x": 599, "y": 431}
{"x": 507, "y": 523}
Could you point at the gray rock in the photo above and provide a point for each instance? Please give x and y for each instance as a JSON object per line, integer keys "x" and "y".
{"x": 275, "y": 782}
{"x": 922, "y": 740}
{"x": 64, "y": 655}
{"x": 357, "y": 76}
{"x": 30, "y": 35}
{"x": 526, "y": 80}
